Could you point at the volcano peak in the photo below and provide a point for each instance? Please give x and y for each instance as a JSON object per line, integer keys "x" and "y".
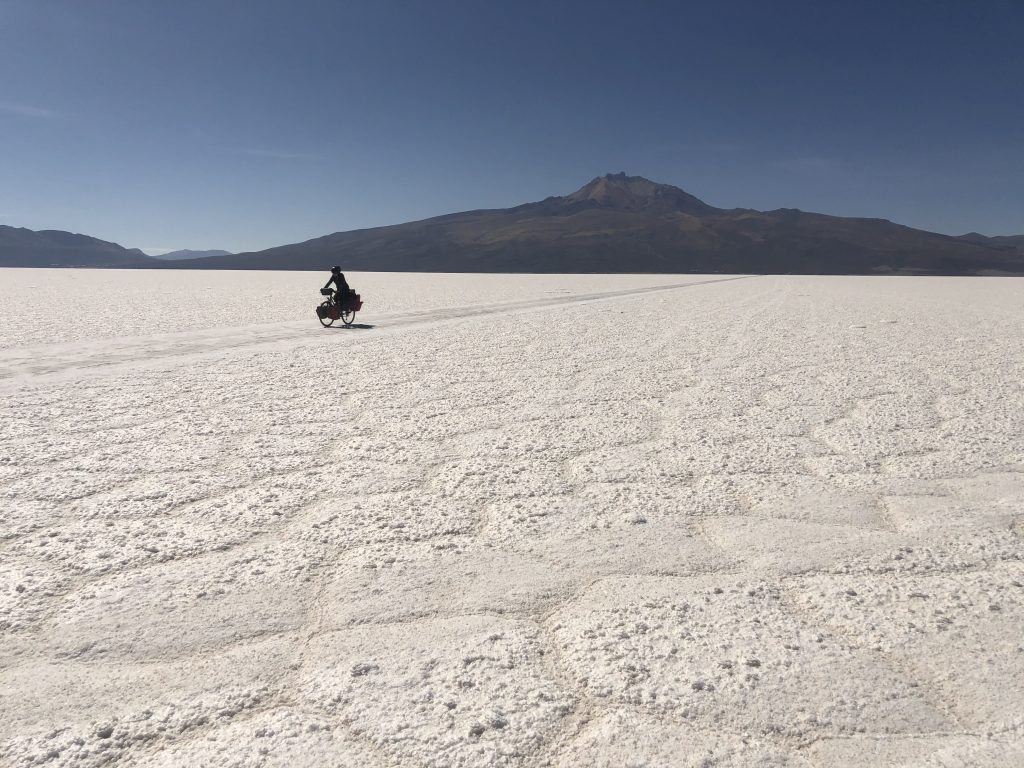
{"x": 634, "y": 193}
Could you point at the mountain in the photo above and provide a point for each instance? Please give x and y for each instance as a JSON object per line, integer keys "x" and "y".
{"x": 187, "y": 254}
{"x": 614, "y": 223}
{"x": 53, "y": 248}
{"x": 999, "y": 241}
{"x": 620, "y": 223}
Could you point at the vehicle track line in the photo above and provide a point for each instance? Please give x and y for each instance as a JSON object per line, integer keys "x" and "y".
{"x": 32, "y": 365}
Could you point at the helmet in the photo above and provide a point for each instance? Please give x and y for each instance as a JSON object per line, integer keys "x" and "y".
{"x": 335, "y": 270}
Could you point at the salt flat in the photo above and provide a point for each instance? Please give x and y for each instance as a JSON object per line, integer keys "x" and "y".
{"x": 538, "y": 521}
{"x": 45, "y": 306}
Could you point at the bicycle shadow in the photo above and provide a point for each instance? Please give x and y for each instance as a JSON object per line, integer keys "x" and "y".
{"x": 353, "y": 327}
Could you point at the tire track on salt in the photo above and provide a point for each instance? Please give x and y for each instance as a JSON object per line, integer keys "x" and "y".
{"x": 37, "y": 364}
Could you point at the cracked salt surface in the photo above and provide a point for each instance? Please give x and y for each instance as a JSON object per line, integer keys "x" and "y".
{"x": 695, "y": 521}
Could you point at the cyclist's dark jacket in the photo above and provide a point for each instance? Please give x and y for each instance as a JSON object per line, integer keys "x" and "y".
{"x": 339, "y": 283}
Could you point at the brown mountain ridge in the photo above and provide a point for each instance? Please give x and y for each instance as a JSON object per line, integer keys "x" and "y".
{"x": 614, "y": 223}
{"x": 620, "y": 223}
{"x": 20, "y": 247}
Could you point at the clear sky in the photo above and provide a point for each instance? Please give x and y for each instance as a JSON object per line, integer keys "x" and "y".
{"x": 243, "y": 124}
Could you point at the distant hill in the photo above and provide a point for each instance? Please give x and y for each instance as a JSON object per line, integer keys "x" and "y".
{"x": 54, "y": 248}
{"x": 187, "y": 254}
{"x": 614, "y": 223}
{"x": 619, "y": 223}
{"x": 999, "y": 241}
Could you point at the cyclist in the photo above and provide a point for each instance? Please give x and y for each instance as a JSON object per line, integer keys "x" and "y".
{"x": 340, "y": 284}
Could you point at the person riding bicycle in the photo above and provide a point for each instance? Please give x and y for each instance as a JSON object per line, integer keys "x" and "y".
{"x": 340, "y": 284}
{"x": 341, "y": 302}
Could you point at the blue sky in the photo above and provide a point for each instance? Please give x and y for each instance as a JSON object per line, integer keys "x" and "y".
{"x": 243, "y": 124}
